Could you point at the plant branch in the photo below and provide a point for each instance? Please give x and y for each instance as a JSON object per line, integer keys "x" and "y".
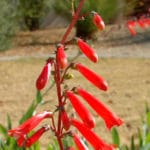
{"x": 73, "y": 22}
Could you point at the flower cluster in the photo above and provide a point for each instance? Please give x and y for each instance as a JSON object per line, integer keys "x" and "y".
{"x": 85, "y": 122}
{"x": 21, "y": 132}
{"x": 142, "y": 22}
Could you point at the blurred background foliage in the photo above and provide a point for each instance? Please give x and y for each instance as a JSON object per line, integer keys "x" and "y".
{"x": 8, "y": 23}
{"x": 16, "y": 15}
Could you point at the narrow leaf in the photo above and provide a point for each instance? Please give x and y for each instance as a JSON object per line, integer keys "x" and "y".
{"x": 147, "y": 138}
{"x": 140, "y": 138}
{"x": 148, "y": 118}
{"x": 9, "y": 124}
{"x": 3, "y": 130}
{"x": 132, "y": 143}
{"x": 36, "y": 146}
{"x": 115, "y": 137}
{"x": 28, "y": 114}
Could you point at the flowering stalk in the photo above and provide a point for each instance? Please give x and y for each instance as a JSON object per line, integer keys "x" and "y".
{"x": 74, "y": 20}
{"x": 60, "y": 125}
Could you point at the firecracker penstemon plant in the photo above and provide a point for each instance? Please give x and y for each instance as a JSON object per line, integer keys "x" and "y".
{"x": 60, "y": 122}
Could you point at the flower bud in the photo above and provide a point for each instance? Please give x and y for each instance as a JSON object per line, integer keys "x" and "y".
{"x": 61, "y": 56}
{"x": 65, "y": 120}
{"x": 98, "y": 21}
{"x": 44, "y": 76}
{"x": 87, "y": 50}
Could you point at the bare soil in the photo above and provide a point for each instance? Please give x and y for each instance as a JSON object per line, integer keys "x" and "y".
{"x": 124, "y": 63}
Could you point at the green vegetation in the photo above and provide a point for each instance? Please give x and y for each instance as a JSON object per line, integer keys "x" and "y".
{"x": 8, "y": 23}
{"x": 84, "y": 27}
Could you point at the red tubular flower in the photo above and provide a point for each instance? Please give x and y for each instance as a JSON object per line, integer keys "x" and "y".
{"x": 79, "y": 143}
{"x": 44, "y": 76}
{"x": 97, "y": 80}
{"x": 141, "y": 23}
{"x": 90, "y": 136}
{"x": 82, "y": 111}
{"x": 65, "y": 120}
{"x": 87, "y": 50}
{"x": 146, "y": 21}
{"x": 131, "y": 25}
{"x": 21, "y": 132}
{"x": 98, "y": 21}
{"x": 35, "y": 137}
{"x": 61, "y": 56}
{"x": 109, "y": 117}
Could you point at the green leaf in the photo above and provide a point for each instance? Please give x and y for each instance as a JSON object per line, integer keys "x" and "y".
{"x": 38, "y": 97}
{"x": 124, "y": 147}
{"x": 28, "y": 114}
{"x": 3, "y": 130}
{"x": 115, "y": 137}
{"x": 11, "y": 143}
{"x": 148, "y": 118}
{"x": 147, "y": 138}
{"x": 36, "y": 146}
{"x": 132, "y": 143}
{"x": 9, "y": 124}
{"x": 140, "y": 138}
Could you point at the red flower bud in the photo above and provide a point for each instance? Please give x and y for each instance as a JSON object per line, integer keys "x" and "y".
{"x": 82, "y": 111}
{"x": 61, "y": 56}
{"x": 65, "y": 120}
{"x": 131, "y": 25}
{"x": 87, "y": 50}
{"x": 97, "y": 80}
{"x": 90, "y": 136}
{"x": 79, "y": 143}
{"x": 109, "y": 117}
{"x": 44, "y": 76}
{"x": 98, "y": 21}
{"x": 35, "y": 137}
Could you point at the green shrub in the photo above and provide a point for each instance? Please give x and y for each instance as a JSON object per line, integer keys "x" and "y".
{"x": 84, "y": 28}
{"x": 8, "y": 23}
{"x": 31, "y": 12}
